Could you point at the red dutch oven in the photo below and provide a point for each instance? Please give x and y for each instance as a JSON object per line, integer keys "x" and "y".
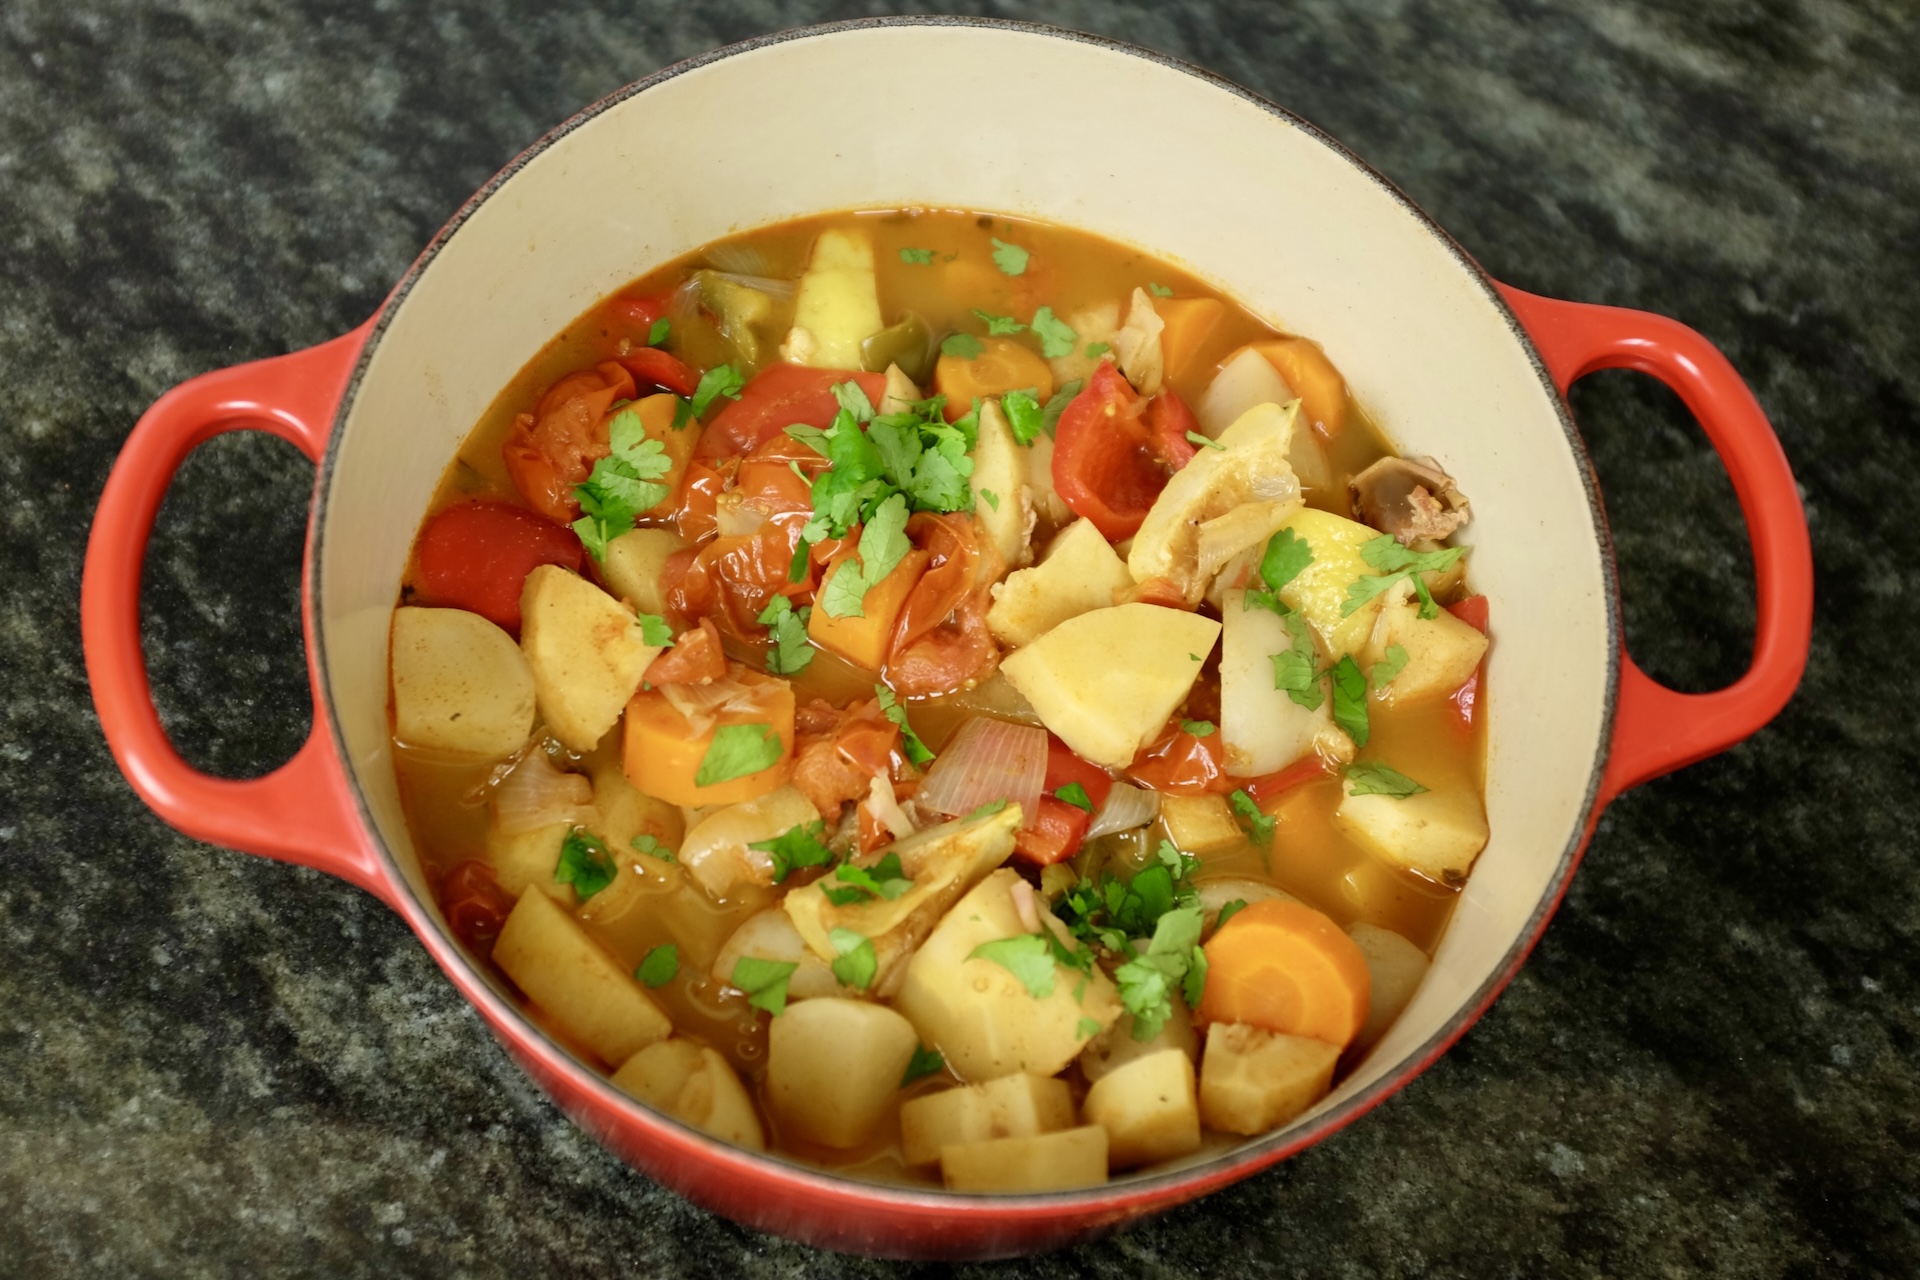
{"x": 1451, "y": 362}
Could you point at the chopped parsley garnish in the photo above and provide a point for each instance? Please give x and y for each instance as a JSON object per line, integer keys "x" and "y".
{"x": 721, "y": 380}
{"x": 1372, "y": 779}
{"x": 917, "y": 751}
{"x": 925, "y": 1062}
{"x": 1203, "y": 442}
{"x": 584, "y": 863}
{"x": 736, "y": 751}
{"x": 1147, "y": 982}
{"x": 1097, "y": 349}
{"x": 1027, "y": 957}
{"x": 662, "y": 329}
{"x": 651, "y": 846}
{"x": 1076, "y": 795}
{"x": 856, "y": 964}
{"x": 1024, "y": 415}
{"x": 1286, "y": 555}
{"x": 1159, "y": 290}
{"x": 786, "y": 626}
{"x": 1391, "y": 665}
{"x": 999, "y": 325}
{"x": 654, "y": 631}
{"x": 1198, "y": 728}
{"x": 961, "y": 346}
{"x": 1057, "y": 337}
{"x": 1259, "y": 825}
{"x": 660, "y": 966}
{"x": 623, "y": 484}
{"x": 1110, "y": 910}
{"x": 1057, "y": 405}
{"x": 917, "y": 257}
{"x": 1228, "y": 912}
{"x": 796, "y": 847}
{"x": 1010, "y": 258}
{"x": 1396, "y": 562}
{"x": 1350, "y": 700}
{"x": 884, "y": 879}
{"x": 764, "y": 981}
{"x": 992, "y": 498}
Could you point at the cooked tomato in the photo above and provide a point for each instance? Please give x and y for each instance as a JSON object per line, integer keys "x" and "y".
{"x": 940, "y": 643}
{"x": 638, "y": 314}
{"x": 781, "y": 396}
{"x": 1299, "y": 773}
{"x": 1056, "y": 834}
{"x": 732, "y": 580}
{"x": 477, "y": 555}
{"x": 1104, "y": 466}
{"x": 1168, "y": 423}
{"x": 474, "y": 904}
{"x": 694, "y": 511}
{"x": 841, "y": 752}
{"x": 695, "y": 658}
{"x": 651, "y": 366}
{"x": 1064, "y": 767}
{"x": 1466, "y": 699}
{"x": 552, "y": 449}
{"x": 1183, "y": 764}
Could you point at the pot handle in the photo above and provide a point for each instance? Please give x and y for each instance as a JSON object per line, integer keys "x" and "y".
{"x": 1656, "y": 729}
{"x": 301, "y": 812}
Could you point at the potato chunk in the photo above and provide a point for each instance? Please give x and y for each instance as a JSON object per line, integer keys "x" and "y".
{"x": 1320, "y": 590}
{"x": 837, "y": 306}
{"x": 1200, "y": 824}
{"x": 526, "y": 859}
{"x": 634, "y": 563}
{"x": 769, "y": 935}
{"x": 459, "y": 683}
{"x": 834, "y": 1066}
{"x": 978, "y": 1013}
{"x": 586, "y": 653}
{"x": 1148, "y": 1108}
{"x": 696, "y": 1086}
{"x": 1442, "y": 651}
{"x": 1079, "y": 573}
{"x": 1045, "y": 1162}
{"x": 1397, "y": 967}
{"x": 1000, "y": 468}
{"x": 1218, "y": 891}
{"x": 1252, "y": 1079}
{"x": 588, "y": 993}
{"x": 1435, "y": 833}
{"x": 1262, "y": 728}
{"x": 1116, "y": 1047}
{"x": 1106, "y": 681}
{"x": 1015, "y": 1106}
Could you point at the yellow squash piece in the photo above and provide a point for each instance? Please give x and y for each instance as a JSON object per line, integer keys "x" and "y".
{"x": 1319, "y": 592}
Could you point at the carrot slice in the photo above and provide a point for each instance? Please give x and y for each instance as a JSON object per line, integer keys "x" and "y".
{"x": 1286, "y": 967}
{"x": 1003, "y": 365}
{"x": 1322, "y": 391}
{"x": 662, "y": 755}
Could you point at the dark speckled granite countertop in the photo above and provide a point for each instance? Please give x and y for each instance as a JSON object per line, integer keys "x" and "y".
{"x": 212, "y": 1064}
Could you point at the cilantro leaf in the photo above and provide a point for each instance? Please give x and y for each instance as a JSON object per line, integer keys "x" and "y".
{"x": 986, "y": 810}
{"x": 1057, "y": 405}
{"x": 852, "y": 397}
{"x": 1147, "y": 982}
{"x": 1097, "y": 349}
{"x": 925, "y": 1062}
{"x": 1390, "y": 666}
{"x": 961, "y": 346}
{"x": 1294, "y": 673}
{"x": 883, "y": 542}
{"x": 1027, "y": 957}
{"x": 1010, "y": 258}
{"x": 736, "y": 751}
{"x": 1365, "y": 588}
{"x": 1350, "y": 700}
{"x": 662, "y": 328}
{"x": 654, "y": 631}
{"x": 856, "y": 964}
{"x": 1198, "y": 728}
{"x": 1228, "y": 912}
{"x": 651, "y": 846}
{"x": 1086, "y": 1028}
{"x": 1259, "y": 825}
{"x": 1159, "y": 290}
{"x": 1203, "y": 442}
{"x": 884, "y": 879}
{"x": 917, "y": 751}
{"x": 1057, "y": 337}
{"x": 1373, "y": 779}
{"x": 1286, "y": 555}
{"x": 787, "y": 630}
{"x": 813, "y": 437}
{"x": 917, "y": 257}
{"x": 1024, "y": 415}
{"x": 991, "y": 498}
{"x": 721, "y": 380}
{"x": 796, "y": 847}
{"x": 659, "y": 966}
{"x": 584, "y": 863}
{"x": 764, "y": 981}
{"x": 1396, "y": 562}
{"x": 999, "y": 325}
{"x": 1193, "y": 987}
{"x": 1075, "y": 794}
{"x": 622, "y": 484}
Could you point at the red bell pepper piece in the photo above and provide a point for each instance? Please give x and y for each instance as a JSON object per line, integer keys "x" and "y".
{"x": 1104, "y": 466}
{"x": 1299, "y": 773}
{"x": 781, "y": 396}
{"x": 651, "y": 365}
{"x": 1056, "y": 832}
{"x": 639, "y": 314}
{"x": 1168, "y": 422}
{"x": 1064, "y": 767}
{"x": 477, "y": 555}
{"x": 1466, "y": 699}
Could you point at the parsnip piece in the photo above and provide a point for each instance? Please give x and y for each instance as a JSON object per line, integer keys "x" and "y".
{"x": 834, "y": 1066}
{"x": 1442, "y": 651}
{"x": 634, "y": 563}
{"x": 1015, "y": 1106}
{"x": 837, "y": 306}
{"x": 1116, "y": 1047}
{"x": 1218, "y": 891}
{"x": 1148, "y": 1108}
{"x": 901, "y": 394}
{"x": 1219, "y": 504}
{"x": 1078, "y": 573}
{"x": 1253, "y": 1080}
{"x": 769, "y": 935}
{"x": 1200, "y": 824}
{"x": 1045, "y": 1162}
{"x": 1397, "y": 968}
{"x": 1435, "y": 833}
{"x": 1320, "y": 589}
{"x": 586, "y": 653}
{"x": 527, "y": 859}
{"x": 1107, "y": 680}
{"x": 1137, "y": 345}
{"x": 1000, "y": 468}
{"x": 1261, "y": 727}
{"x": 981, "y": 1016}
{"x": 459, "y": 683}
{"x": 582, "y": 988}
{"x": 716, "y": 850}
{"x": 696, "y": 1086}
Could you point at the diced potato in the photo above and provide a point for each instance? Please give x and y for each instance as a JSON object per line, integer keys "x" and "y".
{"x": 1000, "y": 468}
{"x": 625, "y": 811}
{"x": 1116, "y": 1046}
{"x": 1262, "y": 728}
{"x": 1136, "y": 347}
{"x": 1253, "y": 1080}
{"x": 586, "y": 653}
{"x": 1218, "y": 891}
{"x": 864, "y": 638}
{"x": 1320, "y": 590}
{"x": 1397, "y": 967}
{"x": 717, "y": 853}
{"x": 526, "y": 859}
{"x": 1219, "y": 504}
{"x": 1435, "y": 833}
{"x": 1078, "y": 573}
{"x": 979, "y": 1014}
{"x": 837, "y": 306}
{"x": 696, "y": 1086}
{"x": 1200, "y": 824}
{"x": 1015, "y": 1106}
{"x": 770, "y": 935}
{"x": 943, "y": 862}
{"x": 588, "y": 993}
{"x": 1045, "y": 1162}
{"x": 1442, "y": 651}
{"x": 634, "y": 563}
{"x": 834, "y": 1066}
{"x": 1091, "y": 326}
{"x": 459, "y": 683}
{"x": 1047, "y": 502}
{"x": 1148, "y": 1108}
{"x": 1106, "y": 681}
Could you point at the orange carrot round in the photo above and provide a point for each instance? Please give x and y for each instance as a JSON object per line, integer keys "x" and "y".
{"x": 1284, "y": 966}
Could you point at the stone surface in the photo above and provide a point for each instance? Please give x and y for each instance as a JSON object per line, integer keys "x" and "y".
{"x": 212, "y": 1064}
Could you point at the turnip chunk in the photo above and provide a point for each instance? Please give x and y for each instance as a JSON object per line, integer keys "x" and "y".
{"x": 459, "y": 683}
{"x": 1045, "y": 1162}
{"x": 1397, "y": 968}
{"x": 589, "y": 994}
{"x": 1252, "y": 1079}
{"x": 1435, "y": 833}
{"x": 1442, "y": 651}
{"x": 1262, "y": 728}
{"x": 1015, "y": 1106}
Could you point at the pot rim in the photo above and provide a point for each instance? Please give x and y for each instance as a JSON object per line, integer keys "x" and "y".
{"x": 1144, "y": 1190}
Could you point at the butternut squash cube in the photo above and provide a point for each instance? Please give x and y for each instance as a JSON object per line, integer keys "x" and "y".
{"x": 864, "y": 638}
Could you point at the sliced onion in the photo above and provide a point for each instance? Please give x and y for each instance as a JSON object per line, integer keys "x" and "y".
{"x": 535, "y": 794}
{"x": 1127, "y": 807}
{"x": 702, "y": 704}
{"x": 988, "y": 760}
{"x": 886, "y": 810}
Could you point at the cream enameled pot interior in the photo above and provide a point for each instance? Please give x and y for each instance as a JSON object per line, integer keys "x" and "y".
{"x": 1190, "y": 170}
